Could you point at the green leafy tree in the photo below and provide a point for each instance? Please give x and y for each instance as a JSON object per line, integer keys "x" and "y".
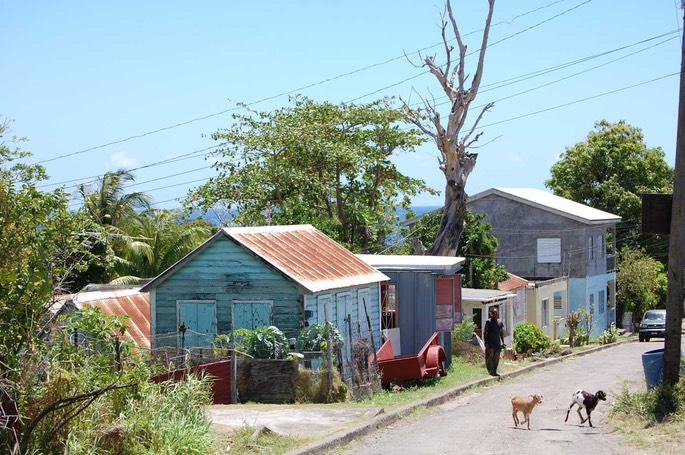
{"x": 318, "y": 163}
{"x": 478, "y": 246}
{"x": 609, "y": 171}
{"x": 38, "y": 251}
{"x": 642, "y": 282}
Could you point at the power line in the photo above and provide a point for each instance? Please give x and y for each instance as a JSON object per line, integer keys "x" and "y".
{"x": 493, "y": 86}
{"x": 290, "y": 92}
{"x": 530, "y": 113}
{"x": 394, "y": 84}
{"x": 580, "y": 100}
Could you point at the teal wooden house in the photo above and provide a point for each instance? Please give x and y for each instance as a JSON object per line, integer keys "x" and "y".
{"x": 286, "y": 276}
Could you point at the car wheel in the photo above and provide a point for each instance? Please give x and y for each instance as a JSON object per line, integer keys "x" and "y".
{"x": 641, "y": 337}
{"x": 647, "y": 339}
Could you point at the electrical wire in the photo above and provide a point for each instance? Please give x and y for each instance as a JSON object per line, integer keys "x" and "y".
{"x": 289, "y": 92}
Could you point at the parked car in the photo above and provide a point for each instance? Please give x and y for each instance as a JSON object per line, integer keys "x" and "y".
{"x": 653, "y": 325}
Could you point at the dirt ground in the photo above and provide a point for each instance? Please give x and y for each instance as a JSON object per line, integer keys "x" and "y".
{"x": 296, "y": 420}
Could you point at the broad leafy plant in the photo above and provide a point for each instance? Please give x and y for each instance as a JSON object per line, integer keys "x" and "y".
{"x": 313, "y": 338}
{"x": 266, "y": 342}
{"x": 529, "y": 337}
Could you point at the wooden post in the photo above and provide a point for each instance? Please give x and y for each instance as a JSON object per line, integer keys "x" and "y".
{"x": 329, "y": 354}
{"x": 676, "y": 262}
{"x": 376, "y": 371}
{"x": 234, "y": 363}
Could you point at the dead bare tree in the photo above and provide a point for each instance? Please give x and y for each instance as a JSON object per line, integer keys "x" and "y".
{"x": 456, "y": 161}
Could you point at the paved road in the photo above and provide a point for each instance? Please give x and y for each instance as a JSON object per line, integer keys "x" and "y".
{"x": 481, "y": 422}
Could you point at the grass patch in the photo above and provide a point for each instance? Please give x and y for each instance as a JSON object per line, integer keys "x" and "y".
{"x": 653, "y": 420}
{"x": 249, "y": 440}
{"x": 413, "y": 391}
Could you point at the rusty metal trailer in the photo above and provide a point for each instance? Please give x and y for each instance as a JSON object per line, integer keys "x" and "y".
{"x": 429, "y": 362}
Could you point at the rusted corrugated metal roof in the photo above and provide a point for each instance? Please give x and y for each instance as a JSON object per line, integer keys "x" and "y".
{"x": 513, "y": 282}
{"x": 121, "y": 302}
{"x": 301, "y": 252}
{"x": 307, "y": 256}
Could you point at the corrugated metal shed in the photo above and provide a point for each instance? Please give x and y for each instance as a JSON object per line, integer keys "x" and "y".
{"x": 301, "y": 252}
{"x": 120, "y": 302}
{"x": 550, "y": 202}
{"x": 436, "y": 264}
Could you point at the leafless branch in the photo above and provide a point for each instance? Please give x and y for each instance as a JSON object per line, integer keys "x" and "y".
{"x": 475, "y": 124}
{"x": 487, "y": 143}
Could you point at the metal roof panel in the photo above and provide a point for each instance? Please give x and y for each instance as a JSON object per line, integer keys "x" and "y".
{"x": 306, "y": 255}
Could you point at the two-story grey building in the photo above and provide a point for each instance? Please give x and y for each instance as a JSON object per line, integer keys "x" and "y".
{"x": 543, "y": 236}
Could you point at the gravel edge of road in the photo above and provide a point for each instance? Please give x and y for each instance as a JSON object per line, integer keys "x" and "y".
{"x": 342, "y": 437}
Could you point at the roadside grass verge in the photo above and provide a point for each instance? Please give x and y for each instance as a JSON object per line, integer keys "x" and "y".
{"x": 249, "y": 440}
{"x": 413, "y": 391}
{"x": 653, "y": 420}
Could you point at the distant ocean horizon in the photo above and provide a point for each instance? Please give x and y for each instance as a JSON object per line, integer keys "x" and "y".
{"x": 218, "y": 219}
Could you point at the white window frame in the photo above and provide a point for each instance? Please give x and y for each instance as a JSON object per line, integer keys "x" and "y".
{"x": 549, "y": 250}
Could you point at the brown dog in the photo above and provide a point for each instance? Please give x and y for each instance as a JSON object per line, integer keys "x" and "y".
{"x": 524, "y": 405}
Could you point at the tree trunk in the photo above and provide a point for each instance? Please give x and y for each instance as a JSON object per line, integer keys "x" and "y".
{"x": 457, "y": 168}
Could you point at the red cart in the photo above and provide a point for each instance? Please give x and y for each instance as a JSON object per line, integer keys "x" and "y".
{"x": 428, "y": 363}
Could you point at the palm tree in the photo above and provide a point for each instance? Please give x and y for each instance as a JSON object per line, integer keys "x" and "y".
{"x": 107, "y": 204}
{"x": 156, "y": 240}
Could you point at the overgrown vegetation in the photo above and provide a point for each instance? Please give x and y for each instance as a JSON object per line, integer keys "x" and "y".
{"x": 151, "y": 419}
{"x": 654, "y": 419}
{"x": 321, "y": 386}
{"x": 464, "y": 330}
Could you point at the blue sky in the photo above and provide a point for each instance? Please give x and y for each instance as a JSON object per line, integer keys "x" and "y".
{"x": 80, "y": 75}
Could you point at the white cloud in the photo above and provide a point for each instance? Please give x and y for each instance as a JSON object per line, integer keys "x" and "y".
{"x": 120, "y": 159}
{"x": 514, "y": 157}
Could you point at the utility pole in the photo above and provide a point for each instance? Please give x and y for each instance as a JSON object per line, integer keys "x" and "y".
{"x": 676, "y": 247}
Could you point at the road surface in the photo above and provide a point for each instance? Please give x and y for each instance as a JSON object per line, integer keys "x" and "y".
{"x": 481, "y": 422}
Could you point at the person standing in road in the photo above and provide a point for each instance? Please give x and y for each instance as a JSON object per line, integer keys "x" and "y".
{"x": 493, "y": 335}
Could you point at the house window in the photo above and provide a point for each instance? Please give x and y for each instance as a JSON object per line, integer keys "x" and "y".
{"x": 601, "y": 247}
{"x": 592, "y": 304}
{"x": 557, "y": 304}
{"x": 545, "y": 314}
{"x": 388, "y": 306}
{"x": 549, "y": 251}
{"x": 590, "y": 248}
{"x": 600, "y": 297}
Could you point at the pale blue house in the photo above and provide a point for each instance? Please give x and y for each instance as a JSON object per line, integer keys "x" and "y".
{"x": 286, "y": 276}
